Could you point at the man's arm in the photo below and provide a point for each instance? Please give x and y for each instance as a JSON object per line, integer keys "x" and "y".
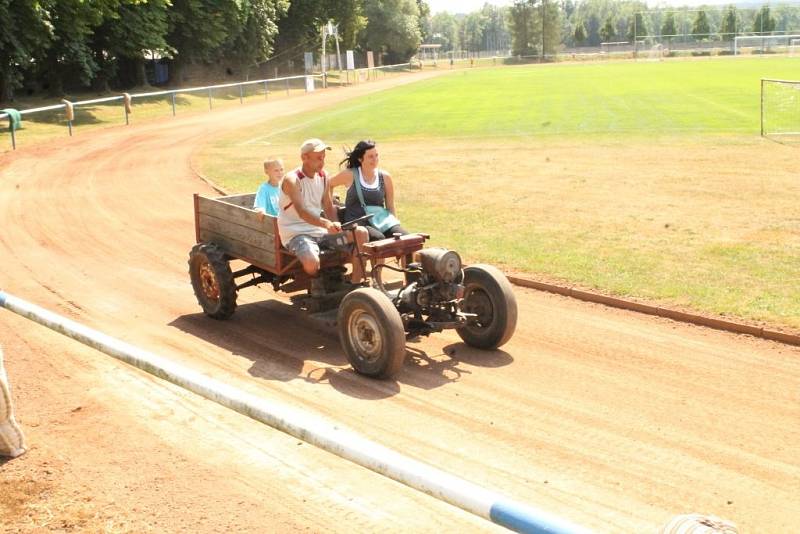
{"x": 343, "y": 178}
{"x": 289, "y": 186}
{"x": 327, "y": 205}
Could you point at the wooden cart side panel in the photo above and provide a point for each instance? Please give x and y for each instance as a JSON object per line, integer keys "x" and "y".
{"x": 245, "y": 200}
{"x": 237, "y": 249}
{"x": 235, "y": 214}
{"x": 238, "y": 230}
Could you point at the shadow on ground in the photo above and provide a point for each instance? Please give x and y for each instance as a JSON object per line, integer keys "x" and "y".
{"x": 280, "y": 339}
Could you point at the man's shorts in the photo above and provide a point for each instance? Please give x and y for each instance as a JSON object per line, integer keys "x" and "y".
{"x": 307, "y": 246}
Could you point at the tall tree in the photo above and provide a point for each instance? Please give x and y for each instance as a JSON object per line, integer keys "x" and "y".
{"x": 729, "y": 23}
{"x": 250, "y": 43}
{"x": 495, "y": 30}
{"x": 69, "y": 57}
{"x": 129, "y": 28}
{"x": 444, "y": 31}
{"x": 424, "y": 20}
{"x": 637, "y": 27}
{"x": 520, "y": 22}
{"x": 700, "y": 27}
{"x": 392, "y": 28}
{"x": 349, "y": 14}
{"x": 473, "y": 27}
{"x": 548, "y": 20}
{"x": 764, "y": 23}
{"x": 24, "y": 36}
{"x": 580, "y": 33}
{"x": 668, "y": 29}
{"x": 607, "y": 32}
{"x": 198, "y": 29}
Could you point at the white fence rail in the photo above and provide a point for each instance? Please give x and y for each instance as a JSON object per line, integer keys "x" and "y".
{"x": 271, "y": 85}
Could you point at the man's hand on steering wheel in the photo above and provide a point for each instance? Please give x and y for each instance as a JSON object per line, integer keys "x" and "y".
{"x": 351, "y": 224}
{"x": 333, "y": 227}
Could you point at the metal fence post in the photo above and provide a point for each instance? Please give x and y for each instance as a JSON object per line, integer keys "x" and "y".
{"x": 13, "y": 137}
{"x": 241, "y": 94}
{"x": 287, "y": 86}
{"x": 266, "y": 90}
{"x": 173, "y": 104}
{"x": 762, "y": 107}
{"x": 209, "y": 98}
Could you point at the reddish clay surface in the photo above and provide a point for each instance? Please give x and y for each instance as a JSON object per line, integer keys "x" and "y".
{"x": 615, "y": 420}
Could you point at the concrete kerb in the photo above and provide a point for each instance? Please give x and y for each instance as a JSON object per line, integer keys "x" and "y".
{"x": 312, "y": 429}
{"x": 700, "y": 320}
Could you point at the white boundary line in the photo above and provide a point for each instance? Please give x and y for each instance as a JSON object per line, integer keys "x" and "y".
{"x": 312, "y": 429}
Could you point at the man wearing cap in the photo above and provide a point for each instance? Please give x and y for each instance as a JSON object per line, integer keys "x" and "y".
{"x": 302, "y": 199}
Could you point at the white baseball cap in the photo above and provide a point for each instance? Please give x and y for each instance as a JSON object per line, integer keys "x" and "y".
{"x": 313, "y": 145}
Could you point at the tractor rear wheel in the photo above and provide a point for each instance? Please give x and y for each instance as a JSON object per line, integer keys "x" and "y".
{"x": 212, "y": 280}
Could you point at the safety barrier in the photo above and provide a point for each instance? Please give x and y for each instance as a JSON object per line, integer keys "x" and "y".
{"x": 312, "y": 429}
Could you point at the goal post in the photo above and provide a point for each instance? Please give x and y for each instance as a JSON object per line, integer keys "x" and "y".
{"x": 780, "y": 107}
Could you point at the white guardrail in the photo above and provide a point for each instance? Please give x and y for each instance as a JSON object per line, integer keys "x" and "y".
{"x": 285, "y": 82}
{"x": 312, "y": 429}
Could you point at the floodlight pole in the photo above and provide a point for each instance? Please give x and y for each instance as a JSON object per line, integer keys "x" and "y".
{"x": 544, "y": 15}
{"x": 322, "y": 59}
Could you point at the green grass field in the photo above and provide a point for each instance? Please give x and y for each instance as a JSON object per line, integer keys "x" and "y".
{"x": 640, "y": 99}
{"x": 647, "y": 180}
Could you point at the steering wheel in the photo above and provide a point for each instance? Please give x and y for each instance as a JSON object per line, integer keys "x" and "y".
{"x": 350, "y": 224}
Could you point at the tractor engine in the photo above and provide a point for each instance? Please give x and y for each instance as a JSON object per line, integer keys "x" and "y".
{"x": 436, "y": 284}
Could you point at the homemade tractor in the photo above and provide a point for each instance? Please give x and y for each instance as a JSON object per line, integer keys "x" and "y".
{"x": 430, "y": 291}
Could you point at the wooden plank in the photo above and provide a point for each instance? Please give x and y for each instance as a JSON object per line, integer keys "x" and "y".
{"x": 196, "y": 219}
{"x": 256, "y": 256}
{"x": 245, "y": 201}
{"x": 236, "y": 214}
{"x": 255, "y": 238}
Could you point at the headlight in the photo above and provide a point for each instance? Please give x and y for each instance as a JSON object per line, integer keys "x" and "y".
{"x": 444, "y": 265}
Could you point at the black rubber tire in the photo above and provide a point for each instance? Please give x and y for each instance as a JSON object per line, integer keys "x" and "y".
{"x": 371, "y": 332}
{"x": 488, "y": 293}
{"x": 212, "y": 280}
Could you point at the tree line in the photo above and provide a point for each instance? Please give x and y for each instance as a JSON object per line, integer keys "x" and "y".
{"x": 56, "y": 45}
{"x": 53, "y": 45}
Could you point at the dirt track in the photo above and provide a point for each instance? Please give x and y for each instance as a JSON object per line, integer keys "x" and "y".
{"x": 615, "y": 420}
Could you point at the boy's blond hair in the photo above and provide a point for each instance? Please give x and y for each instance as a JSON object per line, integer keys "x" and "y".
{"x": 272, "y": 161}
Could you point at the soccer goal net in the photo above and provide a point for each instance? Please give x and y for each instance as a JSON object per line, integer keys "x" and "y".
{"x": 656, "y": 53}
{"x": 780, "y": 107}
{"x": 794, "y": 47}
{"x": 762, "y": 44}
{"x": 615, "y": 48}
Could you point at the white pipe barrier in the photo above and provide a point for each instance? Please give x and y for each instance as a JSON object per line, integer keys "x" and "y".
{"x": 312, "y": 429}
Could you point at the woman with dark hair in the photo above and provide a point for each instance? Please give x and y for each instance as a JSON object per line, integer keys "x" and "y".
{"x": 367, "y": 185}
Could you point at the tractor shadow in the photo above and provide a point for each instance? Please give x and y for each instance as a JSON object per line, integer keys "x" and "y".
{"x": 279, "y": 339}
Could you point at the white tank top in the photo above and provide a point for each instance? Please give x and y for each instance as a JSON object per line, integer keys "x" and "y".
{"x": 311, "y": 190}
